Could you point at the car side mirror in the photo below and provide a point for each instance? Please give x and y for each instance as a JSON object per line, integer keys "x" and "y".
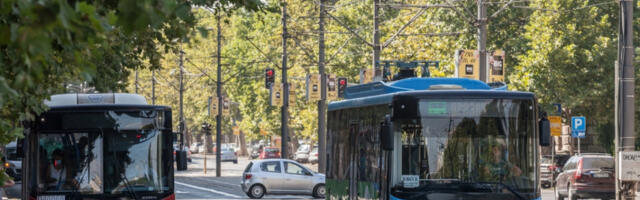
{"x": 545, "y": 131}
{"x": 386, "y": 134}
{"x": 308, "y": 173}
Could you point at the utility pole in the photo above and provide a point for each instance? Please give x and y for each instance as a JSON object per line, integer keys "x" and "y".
{"x": 482, "y": 40}
{"x": 322, "y": 137}
{"x": 376, "y": 41}
{"x": 285, "y": 86}
{"x": 181, "y": 124}
{"x": 219, "y": 93}
{"x": 153, "y": 87}
{"x": 625, "y": 93}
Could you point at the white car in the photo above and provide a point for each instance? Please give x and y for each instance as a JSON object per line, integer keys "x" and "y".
{"x": 195, "y": 147}
{"x": 302, "y": 155}
{"x": 228, "y": 154}
{"x": 201, "y": 149}
{"x": 313, "y": 155}
{"x": 281, "y": 176}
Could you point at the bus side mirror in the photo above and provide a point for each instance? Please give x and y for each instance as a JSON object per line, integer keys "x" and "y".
{"x": 545, "y": 132}
{"x": 20, "y": 148}
{"x": 386, "y": 134}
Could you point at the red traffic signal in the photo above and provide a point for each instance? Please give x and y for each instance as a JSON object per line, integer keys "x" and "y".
{"x": 270, "y": 77}
{"x": 342, "y": 86}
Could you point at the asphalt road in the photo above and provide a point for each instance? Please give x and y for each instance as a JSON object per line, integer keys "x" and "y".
{"x": 195, "y": 184}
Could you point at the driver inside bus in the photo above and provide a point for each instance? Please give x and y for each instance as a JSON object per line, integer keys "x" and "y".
{"x": 498, "y": 168}
{"x": 57, "y": 173}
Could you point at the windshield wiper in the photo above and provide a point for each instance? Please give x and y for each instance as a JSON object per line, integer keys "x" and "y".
{"x": 509, "y": 188}
{"x": 129, "y": 188}
{"x": 123, "y": 175}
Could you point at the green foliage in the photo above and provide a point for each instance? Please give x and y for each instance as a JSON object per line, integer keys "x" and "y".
{"x": 563, "y": 54}
{"x": 570, "y": 60}
{"x": 45, "y": 45}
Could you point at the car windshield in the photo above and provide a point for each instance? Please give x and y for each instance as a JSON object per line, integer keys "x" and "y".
{"x": 468, "y": 140}
{"x": 598, "y": 163}
{"x": 304, "y": 148}
{"x": 271, "y": 150}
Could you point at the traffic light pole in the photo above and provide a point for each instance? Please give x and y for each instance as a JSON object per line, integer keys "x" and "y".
{"x": 219, "y": 93}
{"x": 323, "y": 95}
{"x": 285, "y": 86}
{"x": 482, "y": 40}
{"x": 181, "y": 124}
{"x": 376, "y": 41}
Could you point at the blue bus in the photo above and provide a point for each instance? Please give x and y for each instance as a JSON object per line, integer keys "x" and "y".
{"x": 434, "y": 138}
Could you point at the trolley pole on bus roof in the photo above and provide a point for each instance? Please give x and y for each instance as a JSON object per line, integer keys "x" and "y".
{"x": 153, "y": 86}
{"x": 219, "y": 93}
{"x": 625, "y": 139}
{"x": 323, "y": 94}
{"x": 285, "y": 86}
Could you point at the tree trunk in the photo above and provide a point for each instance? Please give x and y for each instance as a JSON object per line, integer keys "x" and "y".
{"x": 187, "y": 138}
{"x": 209, "y": 142}
{"x": 293, "y": 146}
{"x": 243, "y": 145}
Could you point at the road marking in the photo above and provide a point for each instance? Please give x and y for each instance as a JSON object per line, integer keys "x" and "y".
{"x": 208, "y": 190}
{"x": 219, "y": 182}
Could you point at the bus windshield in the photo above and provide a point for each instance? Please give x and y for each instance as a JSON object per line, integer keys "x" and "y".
{"x": 468, "y": 141}
{"x": 105, "y": 152}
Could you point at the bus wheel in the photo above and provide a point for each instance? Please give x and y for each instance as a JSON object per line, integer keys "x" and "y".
{"x": 256, "y": 192}
{"x": 319, "y": 191}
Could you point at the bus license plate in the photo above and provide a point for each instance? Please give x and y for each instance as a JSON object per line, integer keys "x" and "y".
{"x": 601, "y": 175}
{"x": 51, "y": 197}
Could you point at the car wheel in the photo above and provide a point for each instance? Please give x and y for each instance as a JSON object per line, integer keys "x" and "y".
{"x": 256, "y": 192}
{"x": 319, "y": 191}
{"x": 235, "y": 161}
{"x": 557, "y": 194}
{"x": 190, "y": 160}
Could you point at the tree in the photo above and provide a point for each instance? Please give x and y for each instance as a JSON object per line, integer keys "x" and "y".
{"x": 571, "y": 58}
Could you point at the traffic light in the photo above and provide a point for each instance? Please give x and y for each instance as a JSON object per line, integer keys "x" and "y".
{"x": 342, "y": 86}
{"x": 206, "y": 128}
{"x": 270, "y": 77}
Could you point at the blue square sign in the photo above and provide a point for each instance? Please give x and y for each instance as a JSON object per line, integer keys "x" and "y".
{"x": 578, "y": 127}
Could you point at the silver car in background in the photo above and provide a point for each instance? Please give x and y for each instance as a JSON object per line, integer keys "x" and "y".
{"x": 281, "y": 176}
{"x": 302, "y": 155}
{"x": 228, "y": 154}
